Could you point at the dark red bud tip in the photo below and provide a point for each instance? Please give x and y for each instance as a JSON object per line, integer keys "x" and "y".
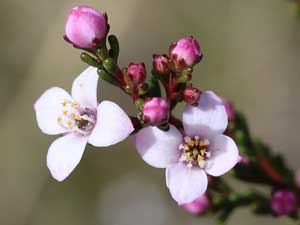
{"x": 191, "y": 95}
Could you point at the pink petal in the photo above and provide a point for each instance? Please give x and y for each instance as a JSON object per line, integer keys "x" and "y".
{"x": 186, "y": 184}
{"x": 224, "y": 155}
{"x": 113, "y": 125}
{"x": 84, "y": 89}
{"x": 207, "y": 119}
{"x": 49, "y": 107}
{"x": 64, "y": 154}
{"x": 158, "y": 148}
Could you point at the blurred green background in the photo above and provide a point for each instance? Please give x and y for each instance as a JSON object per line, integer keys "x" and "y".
{"x": 251, "y": 56}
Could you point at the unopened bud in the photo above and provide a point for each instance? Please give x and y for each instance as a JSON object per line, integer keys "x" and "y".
{"x": 199, "y": 206}
{"x": 135, "y": 75}
{"x": 191, "y": 95}
{"x": 160, "y": 64}
{"x": 86, "y": 27}
{"x": 185, "y": 52}
{"x": 283, "y": 202}
{"x": 156, "y": 111}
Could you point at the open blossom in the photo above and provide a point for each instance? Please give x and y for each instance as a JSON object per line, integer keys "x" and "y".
{"x": 81, "y": 120}
{"x": 188, "y": 159}
{"x": 86, "y": 27}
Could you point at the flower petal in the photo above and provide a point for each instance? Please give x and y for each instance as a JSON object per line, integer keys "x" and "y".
{"x": 158, "y": 148}
{"x": 84, "y": 89}
{"x": 49, "y": 107}
{"x": 113, "y": 125}
{"x": 207, "y": 119}
{"x": 186, "y": 184}
{"x": 64, "y": 154}
{"x": 224, "y": 155}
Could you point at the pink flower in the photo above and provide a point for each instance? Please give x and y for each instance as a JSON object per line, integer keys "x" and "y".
{"x": 86, "y": 27}
{"x": 160, "y": 64}
{"x": 204, "y": 149}
{"x": 199, "y": 206}
{"x": 156, "y": 110}
{"x": 136, "y": 74}
{"x": 283, "y": 202}
{"x": 186, "y": 51}
{"x": 191, "y": 95}
{"x": 81, "y": 120}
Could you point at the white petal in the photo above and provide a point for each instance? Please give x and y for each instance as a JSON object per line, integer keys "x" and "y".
{"x": 113, "y": 125}
{"x": 207, "y": 119}
{"x": 84, "y": 89}
{"x": 158, "y": 148}
{"x": 224, "y": 155}
{"x": 185, "y": 184}
{"x": 64, "y": 154}
{"x": 49, "y": 107}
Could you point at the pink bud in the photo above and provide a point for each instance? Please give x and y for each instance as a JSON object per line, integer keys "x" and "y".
{"x": 229, "y": 109}
{"x": 156, "y": 110}
{"x": 86, "y": 27}
{"x": 191, "y": 95}
{"x": 136, "y": 74}
{"x": 160, "y": 64}
{"x": 199, "y": 206}
{"x": 283, "y": 202}
{"x": 186, "y": 52}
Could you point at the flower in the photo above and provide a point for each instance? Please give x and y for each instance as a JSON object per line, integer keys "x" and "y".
{"x": 160, "y": 64}
{"x": 283, "y": 202}
{"x": 156, "y": 110}
{"x": 187, "y": 159}
{"x": 199, "y": 206}
{"x": 86, "y": 27}
{"x": 81, "y": 120}
{"x": 186, "y": 52}
{"x": 135, "y": 74}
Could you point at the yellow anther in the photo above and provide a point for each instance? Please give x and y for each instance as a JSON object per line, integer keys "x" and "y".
{"x": 65, "y": 112}
{"x": 59, "y": 119}
{"x": 203, "y": 151}
{"x": 64, "y": 103}
{"x": 70, "y": 123}
{"x": 200, "y": 158}
{"x": 74, "y": 105}
{"x": 186, "y": 147}
{"x": 75, "y": 116}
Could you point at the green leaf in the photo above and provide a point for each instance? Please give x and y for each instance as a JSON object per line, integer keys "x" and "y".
{"x": 154, "y": 88}
{"x": 114, "y": 45}
{"x": 107, "y": 77}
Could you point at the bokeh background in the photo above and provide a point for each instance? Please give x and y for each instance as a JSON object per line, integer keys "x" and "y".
{"x": 251, "y": 56}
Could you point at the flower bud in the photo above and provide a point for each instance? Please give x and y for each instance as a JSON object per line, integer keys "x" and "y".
{"x": 135, "y": 74}
{"x": 86, "y": 27}
{"x": 199, "y": 206}
{"x": 191, "y": 95}
{"x": 284, "y": 202}
{"x": 186, "y": 52}
{"x": 156, "y": 111}
{"x": 229, "y": 109}
{"x": 160, "y": 64}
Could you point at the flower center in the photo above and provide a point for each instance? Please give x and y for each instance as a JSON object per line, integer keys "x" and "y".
{"x": 77, "y": 119}
{"x": 194, "y": 151}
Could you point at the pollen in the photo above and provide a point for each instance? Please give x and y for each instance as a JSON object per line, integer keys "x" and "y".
{"x": 70, "y": 123}
{"x": 59, "y": 119}
{"x": 195, "y": 151}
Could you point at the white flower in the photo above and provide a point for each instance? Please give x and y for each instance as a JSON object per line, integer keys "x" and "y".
{"x": 81, "y": 120}
{"x": 202, "y": 150}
